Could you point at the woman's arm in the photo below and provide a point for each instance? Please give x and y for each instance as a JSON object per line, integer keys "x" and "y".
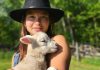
{"x": 61, "y": 59}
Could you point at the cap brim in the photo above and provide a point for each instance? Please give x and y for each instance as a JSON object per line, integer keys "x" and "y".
{"x": 55, "y": 14}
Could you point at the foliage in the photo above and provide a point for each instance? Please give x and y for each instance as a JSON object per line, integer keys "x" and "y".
{"x": 82, "y": 19}
{"x": 80, "y": 22}
{"x": 9, "y": 30}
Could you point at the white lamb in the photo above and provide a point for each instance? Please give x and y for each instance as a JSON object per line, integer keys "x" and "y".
{"x": 38, "y": 46}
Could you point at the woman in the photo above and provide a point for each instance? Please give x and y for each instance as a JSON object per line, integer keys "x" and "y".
{"x": 35, "y": 16}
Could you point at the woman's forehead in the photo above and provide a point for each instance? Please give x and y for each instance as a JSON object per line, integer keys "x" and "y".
{"x": 37, "y": 12}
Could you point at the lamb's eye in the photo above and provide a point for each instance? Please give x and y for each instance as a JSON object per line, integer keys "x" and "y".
{"x": 43, "y": 41}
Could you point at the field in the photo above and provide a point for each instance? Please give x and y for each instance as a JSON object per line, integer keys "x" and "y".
{"x": 5, "y": 60}
{"x": 92, "y": 63}
{"x": 84, "y": 64}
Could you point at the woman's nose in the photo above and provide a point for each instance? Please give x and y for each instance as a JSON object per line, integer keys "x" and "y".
{"x": 37, "y": 21}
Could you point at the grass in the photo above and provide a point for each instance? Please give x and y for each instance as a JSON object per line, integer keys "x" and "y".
{"x": 85, "y": 64}
{"x": 5, "y": 60}
{"x": 4, "y": 65}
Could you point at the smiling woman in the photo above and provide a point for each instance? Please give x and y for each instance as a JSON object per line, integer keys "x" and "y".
{"x": 36, "y": 16}
{"x": 36, "y": 20}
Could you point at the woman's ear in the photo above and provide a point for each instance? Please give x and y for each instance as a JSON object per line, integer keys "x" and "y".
{"x": 26, "y": 39}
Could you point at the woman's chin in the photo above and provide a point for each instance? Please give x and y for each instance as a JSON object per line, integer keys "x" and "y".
{"x": 39, "y": 30}
{"x": 36, "y": 32}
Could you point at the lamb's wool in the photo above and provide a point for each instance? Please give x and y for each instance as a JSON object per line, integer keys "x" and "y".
{"x": 38, "y": 46}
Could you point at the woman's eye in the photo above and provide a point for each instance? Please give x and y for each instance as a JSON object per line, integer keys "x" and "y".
{"x": 43, "y": 18}
{"x": 31, "y": 18}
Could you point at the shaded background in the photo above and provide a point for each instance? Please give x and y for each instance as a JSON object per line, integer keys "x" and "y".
{"x": 80, "y": 25}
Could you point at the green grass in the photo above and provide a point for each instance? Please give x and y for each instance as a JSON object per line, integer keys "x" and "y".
{"x": 5, "y": 60}
{"x": 5, "y": 64}
{"x": 84, "y": 64}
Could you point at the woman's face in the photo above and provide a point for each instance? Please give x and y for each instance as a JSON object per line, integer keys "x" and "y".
{"x": 36, "y": 20}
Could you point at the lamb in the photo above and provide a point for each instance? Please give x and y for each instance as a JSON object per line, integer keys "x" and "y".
{"x": 38, "y": 46}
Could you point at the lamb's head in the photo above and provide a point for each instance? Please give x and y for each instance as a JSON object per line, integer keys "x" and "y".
{"x": 41, "y": 42}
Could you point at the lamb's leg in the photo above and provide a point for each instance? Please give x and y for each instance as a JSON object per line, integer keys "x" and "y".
{"x": 52, "y": 68}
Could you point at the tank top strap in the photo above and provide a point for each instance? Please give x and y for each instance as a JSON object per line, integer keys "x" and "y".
{"x": 16, "y": 58}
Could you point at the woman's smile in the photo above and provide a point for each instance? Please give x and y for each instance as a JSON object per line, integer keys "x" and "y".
{"x": 37, "y": 29}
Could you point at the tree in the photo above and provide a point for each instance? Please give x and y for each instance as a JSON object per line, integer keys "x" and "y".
{"x": 81, "y": 19}
{"x": 80, "y": 22}
{"x": 9, "y": 29}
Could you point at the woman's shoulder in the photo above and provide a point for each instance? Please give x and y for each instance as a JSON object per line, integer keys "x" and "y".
{"x": 59, "y": 39}
{"x": 58, "y": 36}
{"x": 61, "y": 42}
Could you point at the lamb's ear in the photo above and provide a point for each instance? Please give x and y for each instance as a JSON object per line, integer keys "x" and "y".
{"x": 26, "y": 39}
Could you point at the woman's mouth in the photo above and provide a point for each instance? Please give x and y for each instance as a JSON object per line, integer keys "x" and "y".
{"x": 38, "y": 29}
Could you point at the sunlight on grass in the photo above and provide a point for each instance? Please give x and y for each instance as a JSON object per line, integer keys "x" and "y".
{"x": 85, "y": 64}
{"x": 5, "y": 64}
{"x": 5, "y": 60}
